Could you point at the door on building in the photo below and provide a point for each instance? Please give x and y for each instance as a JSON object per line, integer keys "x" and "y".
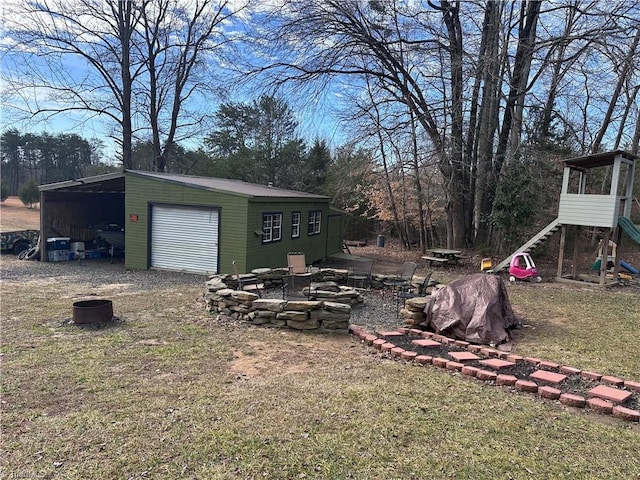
{"x": 185, "y": 239}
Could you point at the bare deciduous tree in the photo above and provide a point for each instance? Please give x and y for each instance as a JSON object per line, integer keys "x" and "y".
{"x": 175, "y": 40}
{"x": 71, "y": 57}
{"x": 136, "y": 63}
{"x": 471, "y": 86}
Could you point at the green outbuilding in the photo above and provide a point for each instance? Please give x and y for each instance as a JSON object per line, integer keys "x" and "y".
{"x": 191, "y": 224}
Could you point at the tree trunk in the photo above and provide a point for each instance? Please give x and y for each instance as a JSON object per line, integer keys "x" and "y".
{"x": 125, "y": 29}
{"x": 383, "y": 155}
{"x": 509, "y": 137}
{"x": 455, "y": 171}
{"x": 415, "y": 165}
{"x": 526, "y": 40}
{"x": 636, "y": 138}
{"x": 387, "y": 184}
{"x": 561, "y": 65}
{"x": 488, "y": 73}
{"x": 631, "y": 98}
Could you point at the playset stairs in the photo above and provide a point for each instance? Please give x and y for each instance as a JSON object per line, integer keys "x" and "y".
{"x": 538, "y": 239}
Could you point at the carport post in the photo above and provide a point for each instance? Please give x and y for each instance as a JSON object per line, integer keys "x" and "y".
{"x": 43, "y": 241}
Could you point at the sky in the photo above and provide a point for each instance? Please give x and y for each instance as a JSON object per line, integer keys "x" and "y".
{"x": 584, "y": 95}
{"x": 315, "y": 115}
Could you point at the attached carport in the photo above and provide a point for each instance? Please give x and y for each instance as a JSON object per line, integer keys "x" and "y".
{"x": 77, "y": 208}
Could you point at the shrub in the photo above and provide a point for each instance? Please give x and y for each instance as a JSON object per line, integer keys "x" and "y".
{"x": 29, "y": 193}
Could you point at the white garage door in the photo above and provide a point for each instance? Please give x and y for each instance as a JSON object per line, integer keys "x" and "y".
{"x": 184, "y": 238}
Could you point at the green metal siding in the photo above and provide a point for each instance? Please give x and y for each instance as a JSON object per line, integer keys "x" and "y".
{"x": 142, "y": 192}
{"x": 275, "y": 254}
{"x": 335, "y": 237}
{"x": 240, "y": 224}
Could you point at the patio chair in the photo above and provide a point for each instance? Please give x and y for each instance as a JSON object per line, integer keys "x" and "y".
{"x": 248, "y": 282}
{"x": 411, "y": 291}
{"x": 296, "y": 262}
{"x": 360, "y": 272}
{"x": 404, "y": 278}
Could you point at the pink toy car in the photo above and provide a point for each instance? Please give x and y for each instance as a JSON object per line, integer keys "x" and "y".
{"x": 523, "y": 268}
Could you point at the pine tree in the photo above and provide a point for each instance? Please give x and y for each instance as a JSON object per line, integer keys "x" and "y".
{"x": 29, "y": 193}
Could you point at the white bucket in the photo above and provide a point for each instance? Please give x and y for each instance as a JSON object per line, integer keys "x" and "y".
{"x": 78, "y": 250}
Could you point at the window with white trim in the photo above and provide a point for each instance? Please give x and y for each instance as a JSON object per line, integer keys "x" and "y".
{"x": 315, "y": 220}
{"x": 271, "y": 227}
{"x": 295, "y": 224}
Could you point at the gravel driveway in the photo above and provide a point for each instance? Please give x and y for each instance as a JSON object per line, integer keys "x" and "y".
{"x": 379, "y": 311}
{"x": 87, "y": 273}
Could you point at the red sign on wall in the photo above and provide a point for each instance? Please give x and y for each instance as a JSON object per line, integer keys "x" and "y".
{"x": 133, "y": 217}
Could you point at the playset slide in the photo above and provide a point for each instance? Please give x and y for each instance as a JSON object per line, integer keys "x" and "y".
{"x": 629, "y": 268}
{"x": 630, "y": 229}
{"x": 623, "y": 264}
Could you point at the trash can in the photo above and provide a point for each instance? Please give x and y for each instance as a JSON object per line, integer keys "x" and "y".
{"x": 380, "y": 242}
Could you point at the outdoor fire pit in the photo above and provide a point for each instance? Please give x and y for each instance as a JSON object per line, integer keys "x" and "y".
{"x": 92, "y": 311}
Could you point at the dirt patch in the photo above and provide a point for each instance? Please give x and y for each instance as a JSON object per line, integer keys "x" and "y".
{"x": 558, "y": 321}
{"x": 14, "y": 215}
{"x": 257, "y": 358}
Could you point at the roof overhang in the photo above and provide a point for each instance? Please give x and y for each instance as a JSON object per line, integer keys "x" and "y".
{"x": 598, "y": 159}
{"x": 107, "y": 183}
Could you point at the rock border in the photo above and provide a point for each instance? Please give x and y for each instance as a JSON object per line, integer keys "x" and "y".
{"x": 329, "y": 311}
{"x": 383, "y": 342}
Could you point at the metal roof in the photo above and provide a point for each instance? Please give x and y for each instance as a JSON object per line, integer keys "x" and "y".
{"x": 598, "y": 159}
{"x": 107, "y": 183}
{"x": 228, "y": 185}
{"x": 115, "y": 182}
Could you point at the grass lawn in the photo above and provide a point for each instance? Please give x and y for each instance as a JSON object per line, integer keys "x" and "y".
{"x": 170, "y": 393}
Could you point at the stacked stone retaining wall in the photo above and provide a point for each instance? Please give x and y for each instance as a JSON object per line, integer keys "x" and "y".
{"x": 412, "y": 312}
{"x": 329, "y": 310}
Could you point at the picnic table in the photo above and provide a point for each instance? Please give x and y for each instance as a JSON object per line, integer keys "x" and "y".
{"x": 442, "y": 256}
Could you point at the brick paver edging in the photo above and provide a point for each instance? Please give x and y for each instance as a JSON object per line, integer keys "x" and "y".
{"x": 603, "y": 399}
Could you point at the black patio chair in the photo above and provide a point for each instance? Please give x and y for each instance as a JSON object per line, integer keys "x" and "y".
{"x": 360, "y": 273}
{"x": 297, "y": 287}
{"x": 411, "y": 291}
{"x": 404, "y": 278}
